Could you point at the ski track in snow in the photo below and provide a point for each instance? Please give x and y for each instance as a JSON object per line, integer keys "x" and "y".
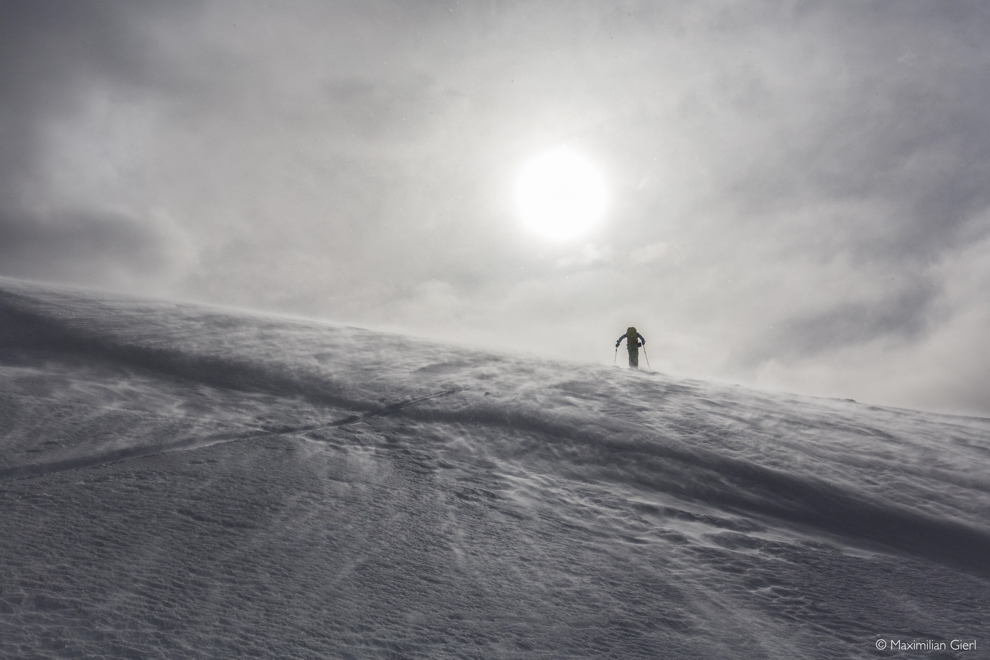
{"x": 113, "y": 456}
{"x": 179, "y": 481}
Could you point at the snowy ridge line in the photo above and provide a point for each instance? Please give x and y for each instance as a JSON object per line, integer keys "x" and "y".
{"x": 115, "y": 456}
{"x": 622, "y": 453}
{"x": 23, "y": 329}
{"x": 591, "y": 449}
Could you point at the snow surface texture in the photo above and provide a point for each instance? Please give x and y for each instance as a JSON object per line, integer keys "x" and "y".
{"x": 184, "y": 482}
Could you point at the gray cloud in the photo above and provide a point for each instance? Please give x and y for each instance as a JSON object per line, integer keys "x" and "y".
{"x": 791, "y": 184}
{"x": 51, "y": 55}
{"x": 84, "y": 247}
{"x": 905, "y": 317}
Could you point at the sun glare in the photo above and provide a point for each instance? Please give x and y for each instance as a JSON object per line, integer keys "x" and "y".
{"x": 560, "y": 195}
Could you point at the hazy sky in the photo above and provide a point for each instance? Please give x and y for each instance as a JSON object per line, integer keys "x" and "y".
{"x": 798, "y": 192}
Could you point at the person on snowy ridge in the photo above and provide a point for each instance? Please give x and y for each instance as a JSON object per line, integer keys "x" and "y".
{"x": 633, "y": 341}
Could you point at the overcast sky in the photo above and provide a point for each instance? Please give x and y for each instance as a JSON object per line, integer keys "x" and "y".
{"x": 797, "y": 191}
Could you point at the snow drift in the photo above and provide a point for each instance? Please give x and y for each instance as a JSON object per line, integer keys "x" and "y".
{"x": 179, "y": 481}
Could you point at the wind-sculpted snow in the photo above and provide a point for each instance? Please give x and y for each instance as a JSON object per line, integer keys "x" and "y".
{"x": 178, "y": 481}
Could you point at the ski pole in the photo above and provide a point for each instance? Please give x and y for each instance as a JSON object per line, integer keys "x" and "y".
{"x": 646, "y": 356}
{"x": 615, "y": 357}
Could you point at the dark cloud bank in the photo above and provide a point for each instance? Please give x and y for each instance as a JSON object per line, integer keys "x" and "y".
{"x": 798, "y": 191}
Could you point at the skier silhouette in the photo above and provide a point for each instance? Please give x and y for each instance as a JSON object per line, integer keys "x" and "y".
{"x": 633, "y": 341}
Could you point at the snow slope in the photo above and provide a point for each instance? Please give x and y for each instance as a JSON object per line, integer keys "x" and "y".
{"x": 184, "y": 482}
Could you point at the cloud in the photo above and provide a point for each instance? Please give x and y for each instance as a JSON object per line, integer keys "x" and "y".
{"x": 589, "y": 255}
{"x": 648, "y": 253}
{"x": 788, "y": 182}
{"x": 111, "y": 249}
{"x": 54, "y": 166}
{"x": 906, "y": 316}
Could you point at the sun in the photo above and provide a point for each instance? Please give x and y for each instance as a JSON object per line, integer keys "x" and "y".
{"x": 560, "y": 195}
